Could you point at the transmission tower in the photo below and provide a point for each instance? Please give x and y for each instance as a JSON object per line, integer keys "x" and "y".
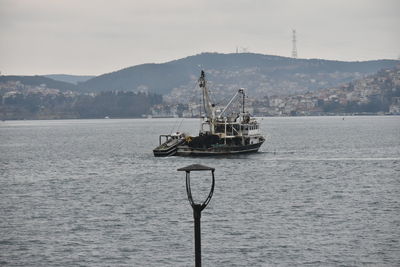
{"x": 294, "y": 49}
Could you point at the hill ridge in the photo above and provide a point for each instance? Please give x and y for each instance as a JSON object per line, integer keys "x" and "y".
{"x": 261, "y": 74}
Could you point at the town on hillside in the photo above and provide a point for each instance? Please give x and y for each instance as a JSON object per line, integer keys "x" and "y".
{"x": 375, "y": 94}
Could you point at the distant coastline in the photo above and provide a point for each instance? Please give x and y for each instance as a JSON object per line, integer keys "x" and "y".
{"x": 275, "y": 86}
{"x": 162, "y": 118}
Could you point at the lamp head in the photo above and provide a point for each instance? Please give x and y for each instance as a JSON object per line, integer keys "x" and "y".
{"x": 198, "y": 167}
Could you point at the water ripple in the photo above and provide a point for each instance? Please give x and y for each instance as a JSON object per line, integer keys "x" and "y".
{"x": 321, "y": 192}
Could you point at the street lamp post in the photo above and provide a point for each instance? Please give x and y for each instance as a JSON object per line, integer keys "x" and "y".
{"x": 197, "y": 207}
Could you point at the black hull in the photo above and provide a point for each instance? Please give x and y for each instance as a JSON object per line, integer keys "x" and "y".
{"x": 185, "y": 150}
{"x": 163, "y": 151}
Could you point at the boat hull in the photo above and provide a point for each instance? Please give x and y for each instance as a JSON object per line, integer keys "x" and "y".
{"x": 186, "y": 150}
{"x": 165, "y": 150}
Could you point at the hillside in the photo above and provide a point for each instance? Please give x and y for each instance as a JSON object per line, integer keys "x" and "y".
{"x": 377, "y": 93}
{"x": 53, "y": 104}
{"x": 37, "y": 81}
{"x": 260, "y": 74}
{"x": 74, "y": 79}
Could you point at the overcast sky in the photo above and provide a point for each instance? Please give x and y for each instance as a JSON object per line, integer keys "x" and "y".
{"x": 98, "y": 36}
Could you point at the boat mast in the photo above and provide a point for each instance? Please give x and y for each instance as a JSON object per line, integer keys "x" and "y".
{"x": 208, "y": 106}
{"x": 242, "y": 91}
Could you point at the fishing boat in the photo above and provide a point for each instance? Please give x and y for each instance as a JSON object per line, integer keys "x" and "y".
{"x": 221, "y": 133}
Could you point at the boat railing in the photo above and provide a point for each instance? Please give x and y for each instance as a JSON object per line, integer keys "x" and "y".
{"x": 166, "y": 136}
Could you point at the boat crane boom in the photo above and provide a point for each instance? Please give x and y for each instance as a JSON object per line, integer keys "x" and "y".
{"x": 208, "y": 106}
{"x": 234, "y": 98}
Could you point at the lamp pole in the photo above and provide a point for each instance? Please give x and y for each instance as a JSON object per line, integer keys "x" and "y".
{"x": 197, "y": 234}
{"x": 197, "y": 207}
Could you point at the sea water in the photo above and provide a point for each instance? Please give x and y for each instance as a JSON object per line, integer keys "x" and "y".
{"x": 322, "y": 191}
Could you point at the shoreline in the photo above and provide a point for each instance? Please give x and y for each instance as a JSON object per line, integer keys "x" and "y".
{"x": 156, "y": 118}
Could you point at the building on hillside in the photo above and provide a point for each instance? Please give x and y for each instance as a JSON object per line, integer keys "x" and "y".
{"x": 394, "y": 108}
